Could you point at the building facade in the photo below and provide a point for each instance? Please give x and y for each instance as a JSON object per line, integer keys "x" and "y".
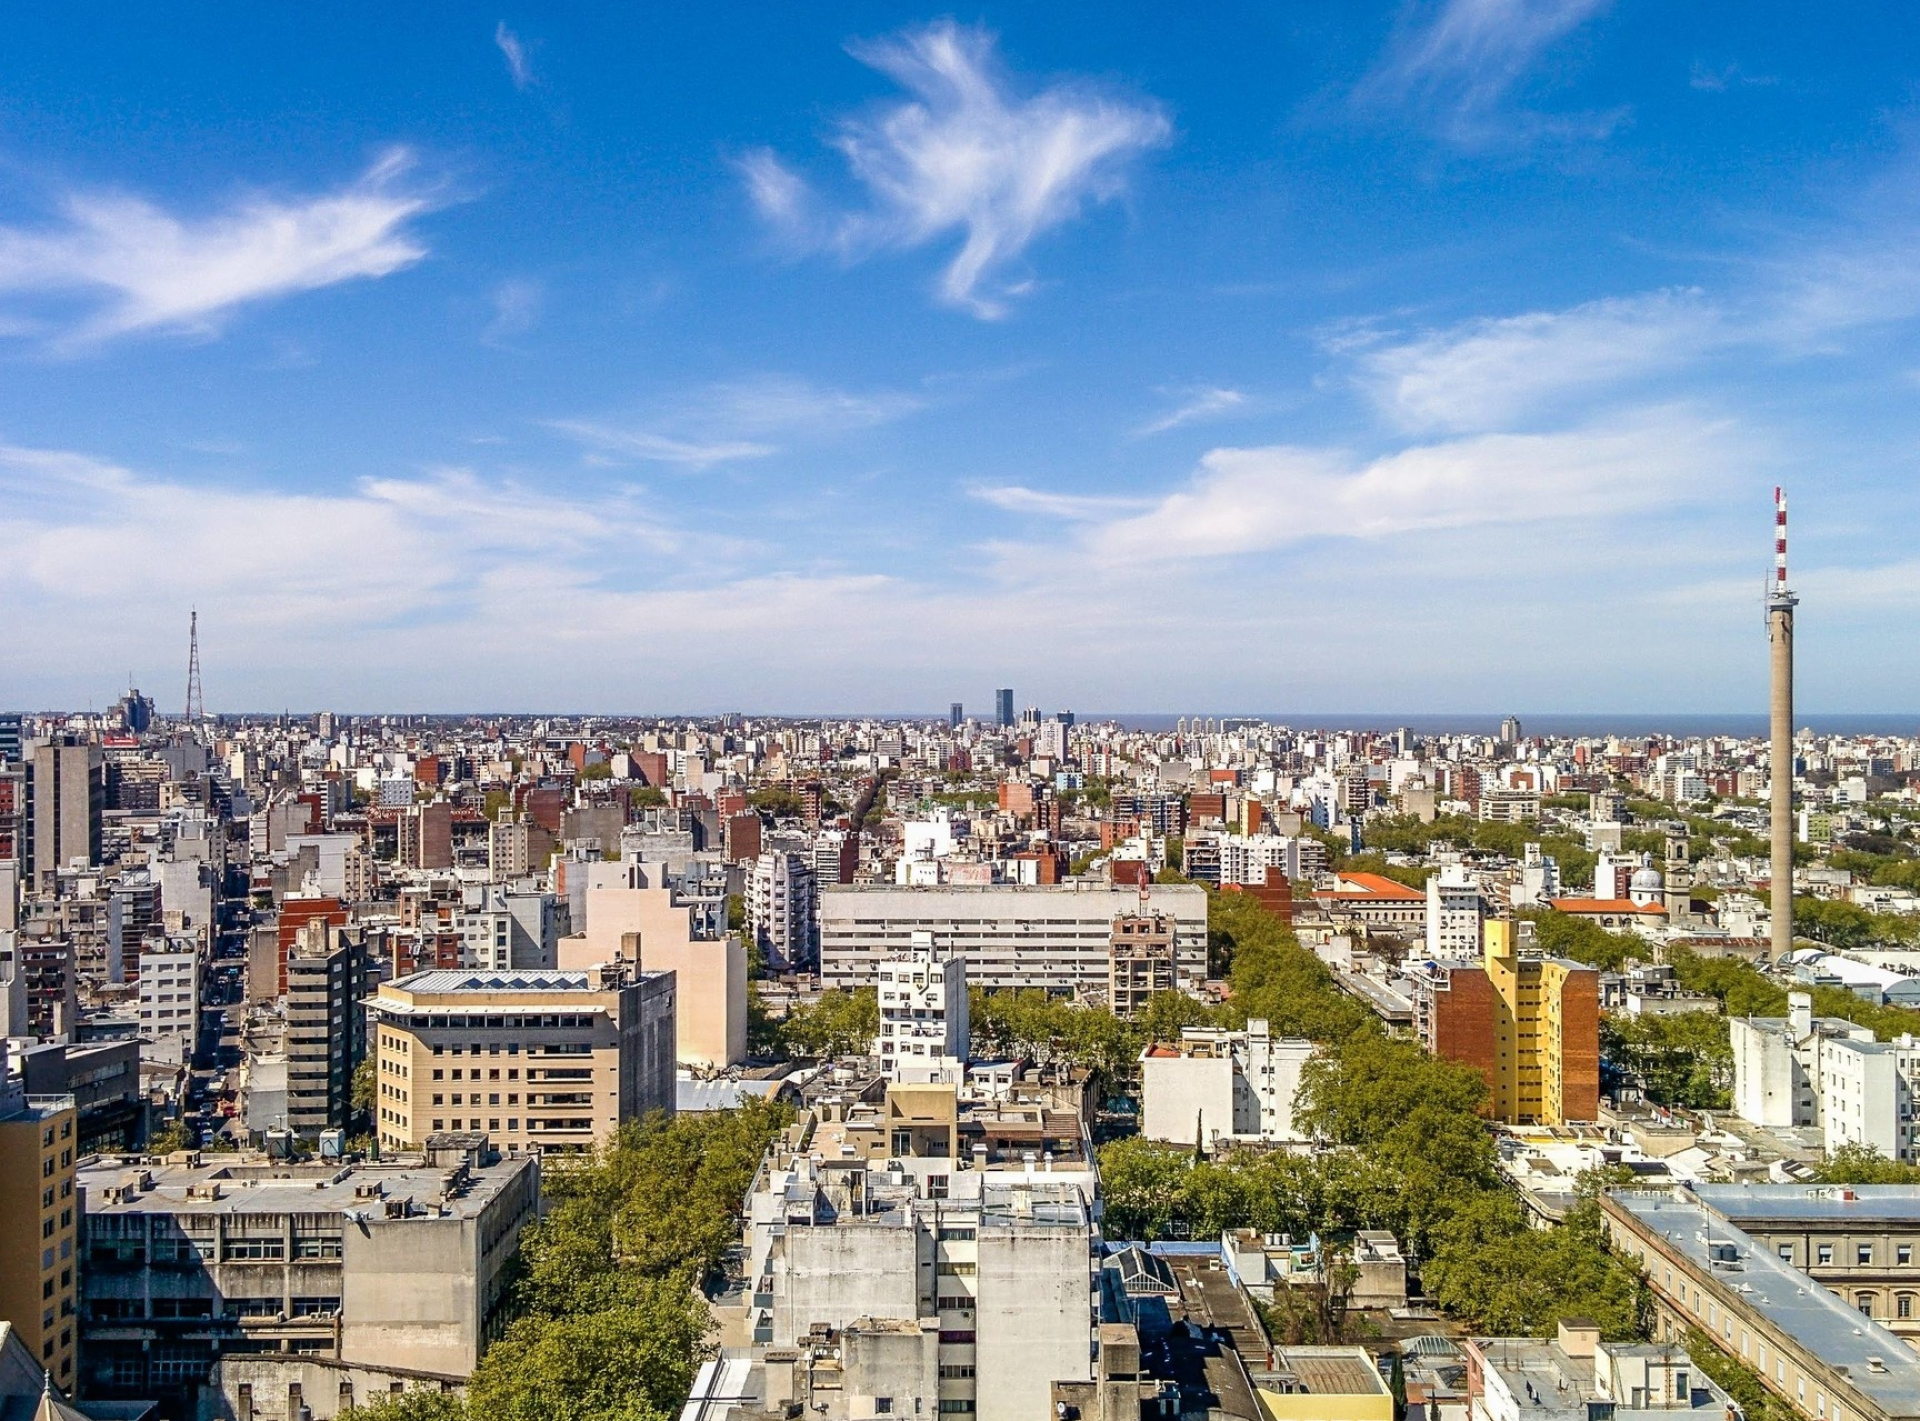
{"x": 547, "y": 1060}
{"x": 39, "y": 1214}
{"x": 923, "y": 1014}
{"x": 1057, "y": 938}
{"x": 1214, "y": 1086}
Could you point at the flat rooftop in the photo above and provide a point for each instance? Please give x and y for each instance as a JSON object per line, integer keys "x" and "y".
{"x": 444, "y": 980}
{"x": 1875, "y": 1361}
{"x": 253, "y": 1184}
{"x": 1876, "y": 1204}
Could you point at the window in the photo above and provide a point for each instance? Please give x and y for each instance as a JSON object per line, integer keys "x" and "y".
{"x": 1786, "y": 1249}
{"x": 1903, "y": 1255}
{"x": 956, "y": 1337}
{"x": 1903, "y": 1305}
{"x": 1863, "y": 1253}
{"x": 951, "y": 1406}
{"x": 953, "y": 1235}
{"x": 1825, "y": 1253}
{"x": 953, "y": 1268}
{"x": 1864, "y": 1301}
{"x": 956, "y": 1371}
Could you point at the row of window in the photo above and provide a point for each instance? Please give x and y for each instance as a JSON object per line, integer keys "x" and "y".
{"x": 1862, "y": 1254}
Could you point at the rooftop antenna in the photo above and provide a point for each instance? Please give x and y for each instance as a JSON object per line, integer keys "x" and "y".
{"x": 196, "y": 701}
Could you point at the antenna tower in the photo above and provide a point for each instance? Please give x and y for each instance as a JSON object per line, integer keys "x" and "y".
{"x": 196, "y": 702}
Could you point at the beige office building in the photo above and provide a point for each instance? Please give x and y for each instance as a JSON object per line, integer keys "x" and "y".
{"x": 535, "y": 1060}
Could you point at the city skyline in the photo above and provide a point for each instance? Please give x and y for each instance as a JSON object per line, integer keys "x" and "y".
{"x": 843, "y": 359}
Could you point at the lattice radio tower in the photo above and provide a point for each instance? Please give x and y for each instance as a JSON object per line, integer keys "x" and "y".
{"x": 196, "y": 702}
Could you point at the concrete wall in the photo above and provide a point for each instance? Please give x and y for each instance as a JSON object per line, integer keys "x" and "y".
{"x": 1180, "y": 1092}
{"x": 1035, "y": 1322}
{"x": 262, "y": 1387}
{"x": 837, "y": 1275}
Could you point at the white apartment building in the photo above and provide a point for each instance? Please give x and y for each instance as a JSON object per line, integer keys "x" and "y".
{"x": 1455, "y": 912}
{"x": 1214, "y": 1086}
{"x": 1867, "y": 1094}
{"x": 1247, "y": 859}
{"x": 1802, "y": 1071}
{"x": 923, "y": 1015}
{"x": 1057, "y": 937}
{"x": 1538, "y": 880}
{"x": 169, "y": 1003}
{"x": 963, "y": 1292}
{"x": 780, "y": 913}
{"x": 507, "y": 930}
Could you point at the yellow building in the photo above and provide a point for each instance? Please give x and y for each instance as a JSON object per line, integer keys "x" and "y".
{"x": 534, "y": 1059}
{"x": 38, "y": 1215}
{"x": 1546, "y": 1036}
{"x": 1323, "y": 1384}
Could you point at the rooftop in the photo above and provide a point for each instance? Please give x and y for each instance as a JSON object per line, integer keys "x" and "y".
{"x": 255, "y": 1184}
{"x": 1862, "y": 1203}
{"x": 1872, "y": 1359}
{"x": 442, "y": 981}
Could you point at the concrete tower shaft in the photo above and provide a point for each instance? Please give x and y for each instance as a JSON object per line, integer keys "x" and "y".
{"x": 1780, "y": 604}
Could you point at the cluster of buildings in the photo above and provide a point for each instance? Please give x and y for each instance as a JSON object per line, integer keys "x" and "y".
{"x": 294, "y": 1009}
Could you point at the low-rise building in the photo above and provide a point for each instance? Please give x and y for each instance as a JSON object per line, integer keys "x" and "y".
{"x": 1575, "y": 1376}
{"x": 401, "y": 1263}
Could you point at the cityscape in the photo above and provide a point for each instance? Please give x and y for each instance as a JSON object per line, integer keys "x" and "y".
{"x": 621, "y": 795}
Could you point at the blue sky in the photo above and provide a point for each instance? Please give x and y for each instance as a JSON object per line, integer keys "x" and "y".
{"x": 1301, "y": 357}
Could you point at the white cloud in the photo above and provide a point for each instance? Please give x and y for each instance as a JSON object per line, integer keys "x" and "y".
{"x": 516, "y": 309}
{"x": 97, "y": 536}
{"x": 1485, "y": 373}
{"x": 744, "y": 419}
{"x": 1199, "y": 405}
{"x": 965, "y": 155}
{"x": 142, "y": 268}
{"x": 1257, "y": 500}
{"x": 1464, "y": 64}
{"x": 519, "y": 67}
{"x": 1074, "y": 507}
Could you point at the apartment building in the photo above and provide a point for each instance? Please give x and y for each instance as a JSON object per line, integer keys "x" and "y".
{"x": 1529, "y": 1025}
{"x": 402, "y": 1263}
{"x": 1455, "y": 911}
{"x": 38, "y": 1223}
{"x": 957, "y": 1283}
{"x": 329, "y": 977}
{"x": 1140, "y": 961}
{"x": 169, "y": 1000}
{"x": 547, "y": 1060}
{"x": 1780, "y": 1069}
{"x": 780, "y": 908}
{"x": 923, "y": 1014}
{"x": 1214, "y": 1086}
{"x": 1057, "y": 938}
{"x": 1576, "y": 1376}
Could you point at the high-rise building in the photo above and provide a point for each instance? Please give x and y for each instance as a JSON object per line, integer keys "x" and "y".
{"x": 329, "y": 977}
{"x": 1510, "y": 730}
{"x": 12, "y": 745}
{"x": 956, "y": 713}
{"x": 1455, "y": 911}
{"x": 1003, "y": 707}
{"x": 780, "y": 908}
{"x": 557, "y": 1060}
{"x": 1780, "y": 604}
{"x": 1530, "y": 1025}
{"x": 38, "y": 1223}
{"x": 67, "y": 792}
{"x": 923, "y": 1014}
{"x": 1140, "y": 962}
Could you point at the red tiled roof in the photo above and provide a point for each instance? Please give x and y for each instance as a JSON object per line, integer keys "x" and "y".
{"x": 1603, "y": 905}
{"x": 1375, "y": 885}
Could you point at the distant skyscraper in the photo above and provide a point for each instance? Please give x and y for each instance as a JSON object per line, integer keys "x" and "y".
{"x": 1510, "y": 730}
{"x": 10, "y": 740}
{"x": 68, "y": 792}
{"x": 955, "y": 714}
{"x": 1003, "y": 707}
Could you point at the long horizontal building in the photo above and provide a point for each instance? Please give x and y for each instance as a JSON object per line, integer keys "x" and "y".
{"x": 1825, "y": 1357}
{"x": 1058, "y": 937}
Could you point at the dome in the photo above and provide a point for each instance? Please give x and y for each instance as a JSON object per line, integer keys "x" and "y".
{"x": 1645, "y": 885}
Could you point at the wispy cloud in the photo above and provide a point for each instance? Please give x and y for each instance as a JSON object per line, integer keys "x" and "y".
{"x": 519, "y": 67}
{"x": 1243, "y": 501}
{"x": 746, "y": 419}
{"x": 1485, "y": 373}
{"x": 1071, "y": 507}
{"x": 133, "y": 267}
{"x": 516, "y": 309}
{"x": 1465, "y": 61}
{"x": 964, "y": 155}
{"x": 1727, "y": 76}
{"x": 1199, "y": 405}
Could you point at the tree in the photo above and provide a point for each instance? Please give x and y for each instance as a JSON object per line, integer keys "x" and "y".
{"x": 366, "y": 1089}
{"x": 1862, "y": 1164}
{"x": 1736, "y": 1379}
{"x": 1684, "y": 1060}
{"x": 633, "y": 1363}
{"x": 836, "y": 1023}
{"x": 169, "y": 1138}
{"x": 646, "y": 797}
{"x": 1566, "y": 935}
{"x": 415, "y": 1404}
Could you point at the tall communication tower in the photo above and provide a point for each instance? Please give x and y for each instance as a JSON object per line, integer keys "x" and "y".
{"x": 196, "y": 702}
{"x": 1780, "y": 604}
